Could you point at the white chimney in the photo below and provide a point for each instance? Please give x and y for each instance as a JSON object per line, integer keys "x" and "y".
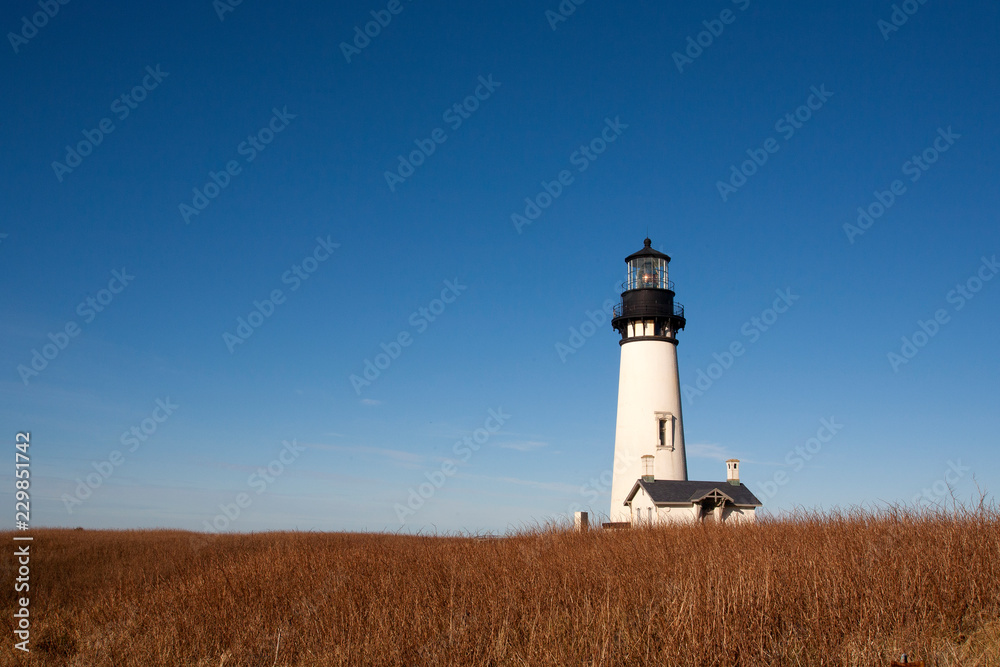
{"x": 733, "y": 471}
{"x": 647, "y": 468}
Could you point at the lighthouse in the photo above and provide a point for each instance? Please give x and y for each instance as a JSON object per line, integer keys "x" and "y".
{"x": 650, "y": 478}
{"x": 649, "y": 435}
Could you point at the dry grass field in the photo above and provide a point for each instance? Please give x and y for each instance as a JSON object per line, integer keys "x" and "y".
{"x": 817, "y": 590}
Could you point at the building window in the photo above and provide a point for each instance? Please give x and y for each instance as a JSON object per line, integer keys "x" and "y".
{"x": 650, "y": 515}
{"x": 663, "y": 433}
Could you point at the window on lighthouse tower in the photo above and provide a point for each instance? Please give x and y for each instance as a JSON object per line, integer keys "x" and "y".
{"x": 665, "y": 430}
{"x": 645, "y": 272}
{"x": 647, "y": 275}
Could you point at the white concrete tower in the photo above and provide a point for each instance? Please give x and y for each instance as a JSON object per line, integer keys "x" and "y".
{"x": 649, "y": 435}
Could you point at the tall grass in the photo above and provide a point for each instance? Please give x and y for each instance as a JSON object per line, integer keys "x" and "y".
{"x": 815, "y": 589}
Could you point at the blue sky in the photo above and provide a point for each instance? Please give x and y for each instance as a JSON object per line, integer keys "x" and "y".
{"x": 306, "y": 209}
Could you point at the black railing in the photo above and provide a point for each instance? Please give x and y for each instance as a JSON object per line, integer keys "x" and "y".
{"x": 640, "y": 312}
{"x": 656, "y": 284}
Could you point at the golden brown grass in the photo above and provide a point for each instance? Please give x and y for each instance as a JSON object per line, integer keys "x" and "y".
{"x": 854, "y": 589}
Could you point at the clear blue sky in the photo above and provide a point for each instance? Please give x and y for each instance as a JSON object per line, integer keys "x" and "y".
{"x": 336, "y": 127}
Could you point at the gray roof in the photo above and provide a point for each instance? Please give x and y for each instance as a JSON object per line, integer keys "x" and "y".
{"x": 647, "y": 251}
{"x": 664, "y": 491}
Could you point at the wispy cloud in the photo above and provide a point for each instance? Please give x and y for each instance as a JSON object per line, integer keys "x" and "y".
{"x": 523, "y": 445}
{"x": 556, "y": 487}
{"x": 370, "y": 401}
{"x": 394, "y": 454}
{"x": 559, "y": 487}
{"x": 702, "y": 450}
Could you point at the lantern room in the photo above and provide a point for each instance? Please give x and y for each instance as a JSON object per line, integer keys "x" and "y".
{"x": 647, "y": 271}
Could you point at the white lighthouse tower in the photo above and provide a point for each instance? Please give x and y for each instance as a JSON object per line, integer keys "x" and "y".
{"x": 650, "y": 483}
{"x": 649, "y": 435}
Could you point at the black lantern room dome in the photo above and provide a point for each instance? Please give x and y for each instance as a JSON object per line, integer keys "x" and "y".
{"x": 648, "y": 251}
